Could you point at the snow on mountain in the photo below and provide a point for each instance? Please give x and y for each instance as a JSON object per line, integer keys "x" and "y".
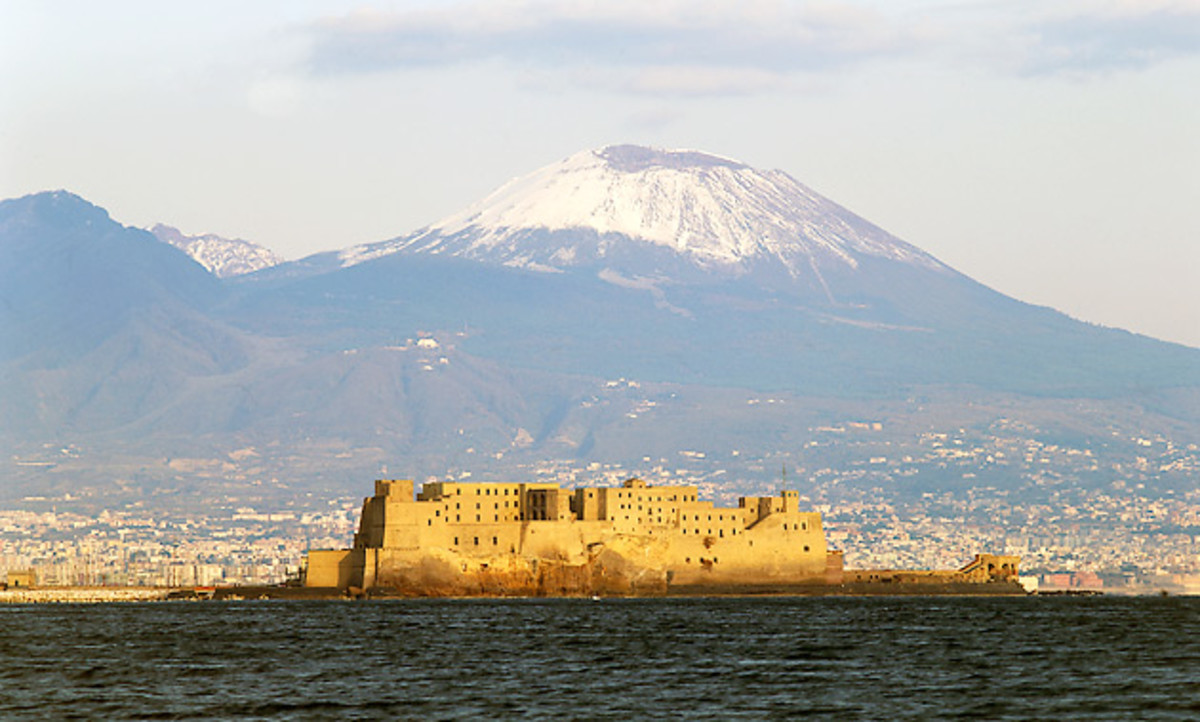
{"x": 719, "y": 214}
{"x": 224, "y": 257}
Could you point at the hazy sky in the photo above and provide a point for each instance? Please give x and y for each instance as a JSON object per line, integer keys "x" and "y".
{"x": 1048, "y": 149}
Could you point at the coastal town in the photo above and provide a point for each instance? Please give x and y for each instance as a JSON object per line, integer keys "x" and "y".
{"x": 1135, "y": 533}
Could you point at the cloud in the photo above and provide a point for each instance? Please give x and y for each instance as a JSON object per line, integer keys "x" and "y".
{"x": 1115, "y": 36}
{"x": 712, "y": 47}
{"x": 676, "y": 46}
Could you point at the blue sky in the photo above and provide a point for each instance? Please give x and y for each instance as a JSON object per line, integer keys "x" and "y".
{"x": 1050, "y": 150}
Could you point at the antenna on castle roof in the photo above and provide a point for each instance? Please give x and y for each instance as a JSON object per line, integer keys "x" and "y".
{"x": 783, "y": 478}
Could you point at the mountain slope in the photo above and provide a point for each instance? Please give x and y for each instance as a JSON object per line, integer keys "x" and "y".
{"x": 718, "y": 214}
{"x": 70, "y": 275}
{"x": 679, "y": 266}
{"x": 624, "y": 303}
{"x": 223, "y": 256}
{"x": 100, "y": 324}
{"x": 910, "y": 333}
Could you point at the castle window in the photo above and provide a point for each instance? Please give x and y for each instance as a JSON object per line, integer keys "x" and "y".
{"x": 455, "y": 541}
{"x": 805, "y": 547}
{"x": 457, "y": 518}
{"x": 476, "y": 519}
{"x": 459, "y": 493}
{"x": 476, "y": 541}
{"x": 495, "y": 541}
{"x": 429, "y": 522}
{"x": 804, "y": 525}
{"x": 437, "y": 512}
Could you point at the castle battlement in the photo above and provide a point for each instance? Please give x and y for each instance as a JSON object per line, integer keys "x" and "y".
{"x": 539, "y": 539}
{"x": 630, "y": 535}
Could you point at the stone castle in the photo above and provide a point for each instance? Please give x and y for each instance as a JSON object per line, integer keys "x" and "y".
{"x": 537, "y": 539}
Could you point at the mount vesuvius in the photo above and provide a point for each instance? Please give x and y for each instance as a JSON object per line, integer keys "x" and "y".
{"x": 623, "y": 302}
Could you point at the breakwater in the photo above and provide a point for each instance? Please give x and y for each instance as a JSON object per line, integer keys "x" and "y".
{"x": 78, "y": 595}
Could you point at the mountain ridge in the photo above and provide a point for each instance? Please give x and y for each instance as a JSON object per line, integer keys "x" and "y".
{"x": 224, "y": 257}
{"x": 329, "y": 370}
{"x": 719, "y": 214}
{"x": 70, "y": 275}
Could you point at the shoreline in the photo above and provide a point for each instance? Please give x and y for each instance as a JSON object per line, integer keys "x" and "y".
{"x": 104, "y": 595}
{"x": 83, "y": 595}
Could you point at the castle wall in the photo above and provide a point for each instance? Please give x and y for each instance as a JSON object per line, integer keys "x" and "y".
{"x": 785, "y": 547}
{"x": 982, "y": 569}
{"x": 453, "y": 535}
{"x": 454, "y": 538}
{"x": 339, "y": 568}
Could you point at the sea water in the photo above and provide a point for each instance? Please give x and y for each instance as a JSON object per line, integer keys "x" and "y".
{"x": 767, "y": 658}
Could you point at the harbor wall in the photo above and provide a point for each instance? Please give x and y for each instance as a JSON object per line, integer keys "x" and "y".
{"x": 73, "y": 595}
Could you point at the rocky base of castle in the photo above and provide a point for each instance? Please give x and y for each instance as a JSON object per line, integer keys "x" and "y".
{"x": 609, "y": 574}
{"x": 854, "y": 589}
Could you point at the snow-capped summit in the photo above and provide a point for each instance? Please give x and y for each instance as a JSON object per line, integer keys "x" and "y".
{"x": 224, "y": 257}
{"x": 718, "y": 214}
